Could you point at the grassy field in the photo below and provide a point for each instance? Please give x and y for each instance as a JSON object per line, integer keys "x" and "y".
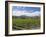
{"x": 27, "y": 23}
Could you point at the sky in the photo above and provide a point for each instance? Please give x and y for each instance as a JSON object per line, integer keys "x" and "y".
{"x": 28, "y": 11}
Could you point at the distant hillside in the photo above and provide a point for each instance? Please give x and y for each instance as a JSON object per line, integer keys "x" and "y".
{"x": 23, "y": 16}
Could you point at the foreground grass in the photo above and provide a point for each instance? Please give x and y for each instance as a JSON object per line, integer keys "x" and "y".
{"x": 25, "y": 23}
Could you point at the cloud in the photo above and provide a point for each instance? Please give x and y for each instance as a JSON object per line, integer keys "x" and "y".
{"x": 27, "y": 13}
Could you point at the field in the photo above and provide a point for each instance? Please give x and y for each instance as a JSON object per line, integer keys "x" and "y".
{"x": 27, "y": 23}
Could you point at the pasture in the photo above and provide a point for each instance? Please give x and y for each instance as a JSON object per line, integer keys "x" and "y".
{"x": 24, "y": 24}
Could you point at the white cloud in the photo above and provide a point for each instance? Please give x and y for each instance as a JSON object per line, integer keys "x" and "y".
{"x": 27, "y": 13}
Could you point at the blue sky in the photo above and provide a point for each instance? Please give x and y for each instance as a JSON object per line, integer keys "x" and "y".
{"x": 20, "y": 10}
